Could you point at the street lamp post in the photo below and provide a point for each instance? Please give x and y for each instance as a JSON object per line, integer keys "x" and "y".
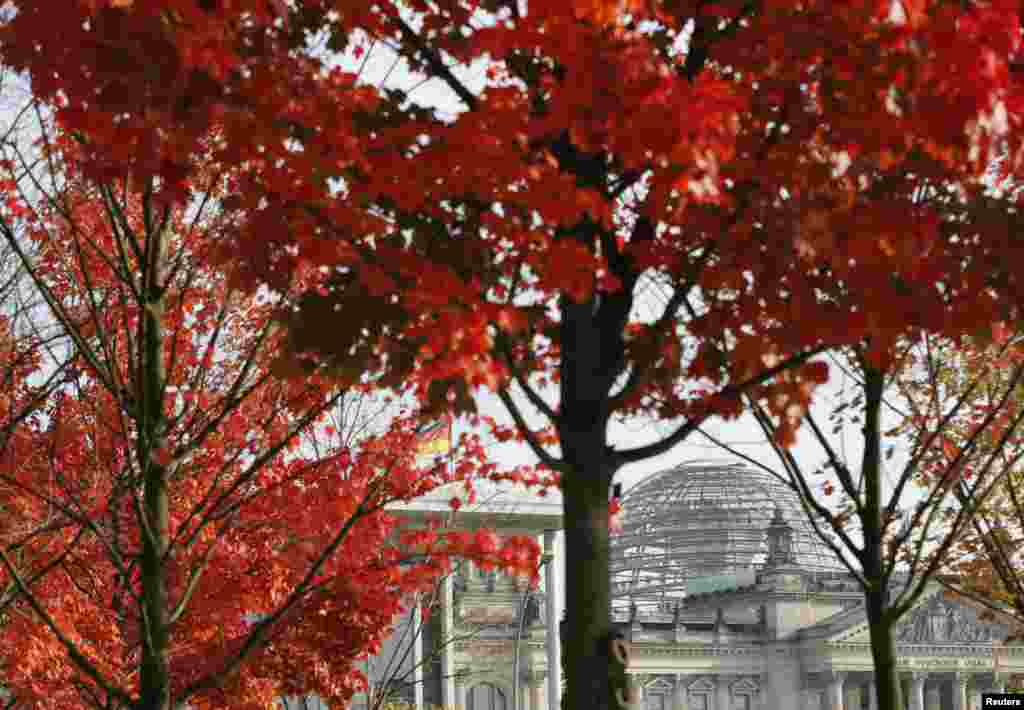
{"x": 519, "y": 636}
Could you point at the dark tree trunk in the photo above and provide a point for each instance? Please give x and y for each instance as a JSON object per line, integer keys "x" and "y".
{"x": 592, "y": 358}
{"x": 588, "y": 590}
{"x": 154, "y": 675}
{"x": 883, "y": 653}
{"x": 876, "y": 596}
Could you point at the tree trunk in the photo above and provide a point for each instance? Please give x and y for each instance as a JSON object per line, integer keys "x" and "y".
{"x": 154, "y": 676}
{"x": 587, "y": 591}
{"x": 876, "y": 596}
{"x": 883, "y": 653}
{"x": 592, "y": 357}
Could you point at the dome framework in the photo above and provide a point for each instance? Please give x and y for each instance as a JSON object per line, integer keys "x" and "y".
{"x": 699, "y": 520}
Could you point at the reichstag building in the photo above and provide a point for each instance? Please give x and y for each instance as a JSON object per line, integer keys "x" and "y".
{"x": 729, "y": 599}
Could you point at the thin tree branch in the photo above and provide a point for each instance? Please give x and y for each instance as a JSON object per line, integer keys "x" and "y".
{"x": 529, "y": 435}
{"x": 83, "y": 663}
{"x": 641, "y": 453}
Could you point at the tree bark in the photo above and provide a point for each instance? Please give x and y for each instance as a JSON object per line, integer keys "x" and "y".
{"x": 883, "y": 653}
{"x": 876, "y": 596}
{"x": 154, "y": 676}
{"x": 587, "y": 590}
{"x": 592, "y": 358}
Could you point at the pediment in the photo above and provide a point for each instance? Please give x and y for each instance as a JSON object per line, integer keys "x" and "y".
{"x": 701, "y": 684}
{"x": 745, "y": 685}
{"x": 660, "y": 684}
{"x": 936, "y": 619}
{"x": 939, "y": 619}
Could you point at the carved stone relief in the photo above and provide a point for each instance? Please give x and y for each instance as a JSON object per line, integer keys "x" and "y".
{"x": 941, "y": 620}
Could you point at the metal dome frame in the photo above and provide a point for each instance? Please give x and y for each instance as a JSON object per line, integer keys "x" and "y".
{"x": 702, "y": 519}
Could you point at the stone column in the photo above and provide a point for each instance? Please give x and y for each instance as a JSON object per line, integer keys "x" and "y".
{"x": 552, "y": 639}
{"x": 916, "y": 697}
{"x": 679, "y": 700}
{"x": 537, "y": 693}
{"x": 524, "y": 696}
{"x": 417, "y": 655}
{"x": 812, "y": 699}
{"x": 932, "y": 697}
{"x": 722, "y": 699}
{"x": 960, "y": 691}
{"x": 998, "y": 682}
{"x": 974, "y": 696}
{"x": 834, "y": 693}
{"x": 872, "y": 694}
{"x": 474, "y": 582}
{"x": 460, "y": 694}
{"x": 448, "y": 698}
{"x": 851, "y": 695}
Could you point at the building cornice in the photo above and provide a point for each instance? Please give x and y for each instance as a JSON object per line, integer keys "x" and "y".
{"x": 497, "y": 506}
{"x": 932, "y": 650}
{"x": 760, "y": 594}
{"x": 694, "y": 650}
{"x": 479, "y": 646}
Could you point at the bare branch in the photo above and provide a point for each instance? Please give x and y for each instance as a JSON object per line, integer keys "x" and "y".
{"x": 72, "y": 650}
{"x": 691, "y": 424}
{"x": 531, "y": 438}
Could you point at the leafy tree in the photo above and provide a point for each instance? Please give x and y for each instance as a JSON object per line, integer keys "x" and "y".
{"x": 895, "y": 522}
{"x": 179, "y": 524}
{"x": 649, "y": 208}
{"x": 984, "y": 564}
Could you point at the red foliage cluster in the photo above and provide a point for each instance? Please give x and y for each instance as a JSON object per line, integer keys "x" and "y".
{"x": 272, "y": 514}
{"x": 811, "y": 162}
{"x": 791, "y": 175}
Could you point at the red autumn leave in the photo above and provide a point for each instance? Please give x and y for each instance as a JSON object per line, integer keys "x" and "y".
{"x": 179, "y": 527}
{"x": 795, "y": 166}
{"x": 766, "y": 178}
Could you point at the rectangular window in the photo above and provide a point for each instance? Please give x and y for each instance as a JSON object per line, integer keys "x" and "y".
{"x": 655, "y": 701}
{"x": 741, "y": 702}
{"x": 699, "y": 702}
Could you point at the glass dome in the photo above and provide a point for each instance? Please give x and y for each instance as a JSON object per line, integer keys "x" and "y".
{"x": 703, "y": 520}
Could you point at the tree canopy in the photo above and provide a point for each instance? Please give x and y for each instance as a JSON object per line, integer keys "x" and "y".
{"x": 179, "y": 524}
{"x": 649, "y": 208}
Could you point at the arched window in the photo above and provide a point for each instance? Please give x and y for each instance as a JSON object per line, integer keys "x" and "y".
{"x": 485, "y": 696}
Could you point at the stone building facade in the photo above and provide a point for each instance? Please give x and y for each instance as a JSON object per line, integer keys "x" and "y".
{"x": 795, "y": 641}
{"x": 756, "y": 624}
{"x": 486, "y": 629}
